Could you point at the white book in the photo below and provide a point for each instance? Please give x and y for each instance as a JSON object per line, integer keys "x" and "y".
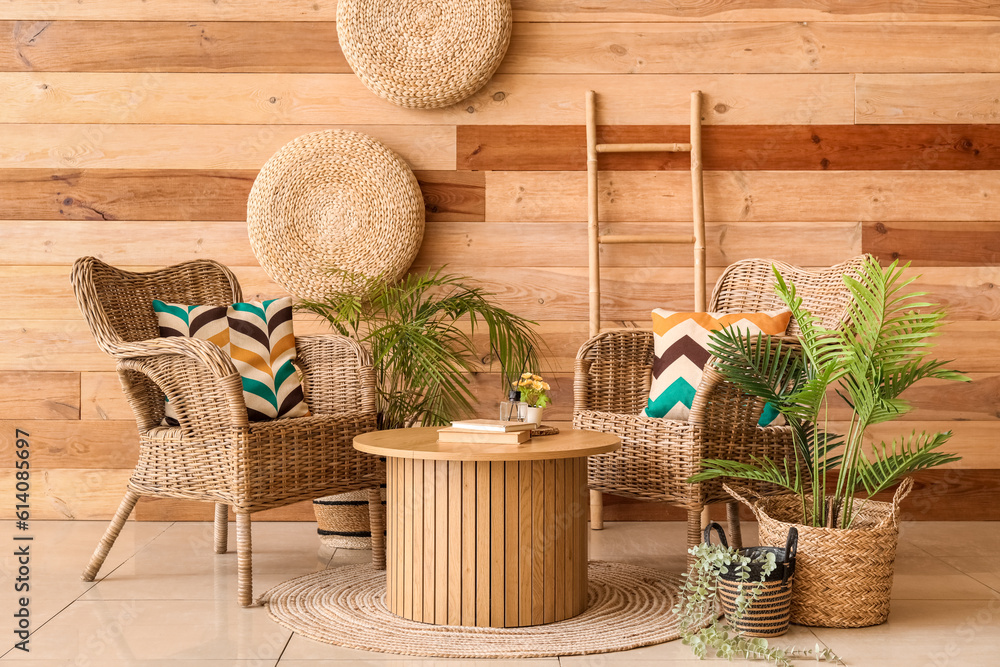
{"x": 494, "y": 425}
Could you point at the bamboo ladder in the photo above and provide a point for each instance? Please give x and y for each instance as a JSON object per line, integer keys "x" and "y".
{"x": 596, "y": 239}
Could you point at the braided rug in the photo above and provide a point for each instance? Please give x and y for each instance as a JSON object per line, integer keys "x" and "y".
{"x": 628, "y": 607}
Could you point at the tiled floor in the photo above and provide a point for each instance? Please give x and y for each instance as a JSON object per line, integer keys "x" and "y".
{"x": 166, "y": 600}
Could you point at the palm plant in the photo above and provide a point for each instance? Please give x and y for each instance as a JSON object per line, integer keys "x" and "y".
{"x": 870, "y": 361}
{"x": 420, "y": 332}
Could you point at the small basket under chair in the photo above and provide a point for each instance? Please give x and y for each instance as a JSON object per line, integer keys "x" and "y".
{"x": 768, "y": 613}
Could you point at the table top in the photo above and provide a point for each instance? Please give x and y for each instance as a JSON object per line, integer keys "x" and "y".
{"x": 422, "y": 443}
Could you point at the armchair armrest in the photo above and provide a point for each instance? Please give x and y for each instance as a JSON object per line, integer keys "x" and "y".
{"x": 197, "y": 377}
{"x": 337, "y": 374}
{"x": 612, "y": 372}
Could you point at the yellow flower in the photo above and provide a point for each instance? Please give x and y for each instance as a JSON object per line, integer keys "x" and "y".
{"x": 545, "y": 386}
{"x": 525, "y": 375}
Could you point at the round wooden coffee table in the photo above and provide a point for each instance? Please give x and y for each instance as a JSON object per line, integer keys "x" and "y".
{"x": 482, "y": 534}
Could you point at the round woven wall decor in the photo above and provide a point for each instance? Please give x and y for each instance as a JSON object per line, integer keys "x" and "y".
{"x": 334, "y": 200}
{"x": 424, "y": 54}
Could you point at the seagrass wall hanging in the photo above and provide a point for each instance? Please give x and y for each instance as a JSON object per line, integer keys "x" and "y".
{"x": 424, "y": 54}
{"x": 334, "y": 200}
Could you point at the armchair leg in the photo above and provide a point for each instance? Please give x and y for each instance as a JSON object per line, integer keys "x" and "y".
{"x": 596, "y": 510}
{"x": 733, "y": 518}
{"x": 221, "y": 528}
{"x": 376, "y": 514}
{"x": 693, "y": 530}
{"x": 110, "y": 535}
{"x": 244, "y": 559}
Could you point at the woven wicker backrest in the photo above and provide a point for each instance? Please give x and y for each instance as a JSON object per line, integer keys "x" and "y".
{"x": 748, "y": 286}
{"x": 118, "y": 305}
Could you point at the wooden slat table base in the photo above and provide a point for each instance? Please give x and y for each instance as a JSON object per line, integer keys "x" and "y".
{"x": 499, "y": 543}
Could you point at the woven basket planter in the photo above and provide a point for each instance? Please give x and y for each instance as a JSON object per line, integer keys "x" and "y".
{"x": 843, "y": 577}
{"x": 343, "y": 520}
{"x": 424, "y": 54}
{"x": 768, "y": 614}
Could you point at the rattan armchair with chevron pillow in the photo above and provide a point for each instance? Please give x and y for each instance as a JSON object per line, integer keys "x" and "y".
{"x": 215, "y": 452}
{"x": 612, "y": 379}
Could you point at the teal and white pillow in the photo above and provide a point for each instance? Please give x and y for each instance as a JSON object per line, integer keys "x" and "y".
{"x": 258, "y": 337}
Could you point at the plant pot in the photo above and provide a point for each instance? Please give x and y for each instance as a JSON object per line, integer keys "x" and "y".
{"x": 343, "y": 520}
{"x": 534, "y": 415}
{"x": 768, "y": 614}
{"x": 843, "y": 576}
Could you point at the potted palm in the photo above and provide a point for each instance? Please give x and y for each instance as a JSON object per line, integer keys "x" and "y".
{"x": 420, "y": 332}
{"x": 847, "y": 540}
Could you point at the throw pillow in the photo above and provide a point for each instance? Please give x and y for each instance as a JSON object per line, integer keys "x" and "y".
{"x": 258, "y": 337}
{"x": 680, "y": 348}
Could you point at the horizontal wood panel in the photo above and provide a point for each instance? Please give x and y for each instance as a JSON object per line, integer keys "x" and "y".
{"x": 68, "y": 493}
{"x": 524, "y": 10}
{"x": 109, "y": 146}
{"x": 67, "y": 345}
{"x": 934, "y": 243}
{"x": 571, "y": 48}
{"x": 58, "y": 443}
{"x": 747, "y": 10}
{"x": 34, "y": 395}
{"x": 736, "y": 147}
{"x": 164, "y": 242}
{"x": 173, "y": 509}
{"x": 941, "y": 401}
{"x": 170, "y": 46}
{"x": 938, "y": 495}
{"x": 974, "y": 441}
{"x": 561, "y": 196}
{"x": 332, "y": 99}
{"x": 759, "y": 47}
{"x": 186, "y": 194}
{"x": 928, "y": 98}
{"x": 565, "y": 244}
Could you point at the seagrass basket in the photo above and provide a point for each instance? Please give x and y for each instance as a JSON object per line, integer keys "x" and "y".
{"x": 843, "y": 577}
{"x": 342, "y": 520}
{"x": 768, "y": 613}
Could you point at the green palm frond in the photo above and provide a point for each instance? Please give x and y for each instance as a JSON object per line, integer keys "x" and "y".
{"x": 759, "y": 470}
{"x": 420, "y": 331}
{"x": 889, "y": 463}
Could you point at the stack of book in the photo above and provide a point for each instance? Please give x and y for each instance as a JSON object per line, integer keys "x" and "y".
{"x": 490, "y": 431}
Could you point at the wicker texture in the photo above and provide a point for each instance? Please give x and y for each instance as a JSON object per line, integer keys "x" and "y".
{"x": 424, "y": 54}
{"x": 215, "y": 454}
{"x": 767, "y": 616}
{"x": 611, "y": 386}
{"x": 843, "y": 577}
{"x": 334, "y": 201}
{"x": 343, "y": 520}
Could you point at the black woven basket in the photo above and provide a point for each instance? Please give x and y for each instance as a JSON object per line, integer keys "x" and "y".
{"x": 767, "y": 615}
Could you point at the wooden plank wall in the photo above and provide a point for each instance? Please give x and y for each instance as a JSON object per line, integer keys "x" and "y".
{"x": 133, "y": 129}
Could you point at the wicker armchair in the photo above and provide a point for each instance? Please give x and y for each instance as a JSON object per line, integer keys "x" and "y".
{"x": 611, "y": 385}
{"x": 215, "y": 454}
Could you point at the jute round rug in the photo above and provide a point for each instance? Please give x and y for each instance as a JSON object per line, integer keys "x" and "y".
{"x": 628, "y": 607}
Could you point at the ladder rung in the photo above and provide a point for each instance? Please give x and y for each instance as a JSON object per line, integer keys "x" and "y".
{"x": 645, "y": 238}
{"x": 643, "y": 148}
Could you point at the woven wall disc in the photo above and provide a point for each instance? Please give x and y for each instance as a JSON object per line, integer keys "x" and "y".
{"x": 334, "y": 200}
{"x": 424, "y": 53}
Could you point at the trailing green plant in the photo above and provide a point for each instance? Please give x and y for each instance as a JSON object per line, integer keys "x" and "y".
{"x": 870, "y": 361}
{"x": 420, "y": 332}
{"x": 697, "y": 600}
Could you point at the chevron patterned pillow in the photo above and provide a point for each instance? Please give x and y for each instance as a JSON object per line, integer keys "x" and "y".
{"x": 680, "y": 348}
{"x": 258, "y": 336}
